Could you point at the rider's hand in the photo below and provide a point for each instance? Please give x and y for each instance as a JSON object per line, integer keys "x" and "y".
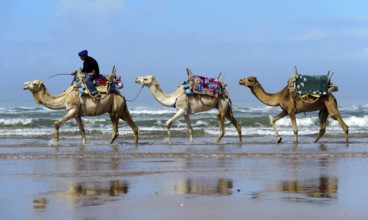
{"x": 73, "y": 73}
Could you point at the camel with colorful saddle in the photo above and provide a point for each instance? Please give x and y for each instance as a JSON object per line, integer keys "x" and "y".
{"x": 189, "y": 100}
{"x": 78, "y": 104}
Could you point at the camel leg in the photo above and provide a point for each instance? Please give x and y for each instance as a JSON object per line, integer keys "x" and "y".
{"x": 190, "y": 129}
{"x": 230, "y": 116}
{"x": 71, "y": 114}
{"x": 333, "y": 110}
{"x": 178, "y": 114}
{"x": 221, "y": 122}
{"x": 273, "y": 124}
{"x": 115, "y": 128}
{"x": 125, "y": 115}
{"x": 295, "y": 126}
{"x": 323, "y": 114}
{"x": 81, "y": 129}
{"x": 128, "y": 118}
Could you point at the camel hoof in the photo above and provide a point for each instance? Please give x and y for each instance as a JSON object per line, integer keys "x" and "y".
{"x": 279, "y": 140}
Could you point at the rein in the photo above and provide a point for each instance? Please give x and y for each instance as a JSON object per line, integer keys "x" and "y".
{"x": 131, "y": 100}
{"x": 60, "y": 74}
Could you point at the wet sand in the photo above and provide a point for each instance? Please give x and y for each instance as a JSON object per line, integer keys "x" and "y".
{"x": 255, "y": 180}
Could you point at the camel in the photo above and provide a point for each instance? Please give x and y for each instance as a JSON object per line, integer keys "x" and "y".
{"x": 326, "y": 105}
{"x": 191, "y": 104}
{"x": 78, "y": 105}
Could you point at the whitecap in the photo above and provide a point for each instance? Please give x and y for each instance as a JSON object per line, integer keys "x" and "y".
{"x": 353, "y": 121}
{"x": 16, "y": 121}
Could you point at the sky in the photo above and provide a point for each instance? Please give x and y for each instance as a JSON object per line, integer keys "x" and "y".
{"x": 238, "y": 38}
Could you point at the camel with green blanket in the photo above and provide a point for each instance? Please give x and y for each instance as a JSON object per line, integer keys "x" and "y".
{"x": 292, "y": 102}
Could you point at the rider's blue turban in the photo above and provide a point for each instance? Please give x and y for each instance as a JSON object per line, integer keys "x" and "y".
{"x": 83, "y": 53}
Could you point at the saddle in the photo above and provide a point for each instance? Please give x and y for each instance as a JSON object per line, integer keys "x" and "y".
{"x": 202, "y": 85}
{"x": 311, "y": 85}
{"x": 104, "y": 83}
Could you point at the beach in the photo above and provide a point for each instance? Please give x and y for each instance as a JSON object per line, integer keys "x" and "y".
{"x": 185, "y": 181}
{"x": 256, "y": 179}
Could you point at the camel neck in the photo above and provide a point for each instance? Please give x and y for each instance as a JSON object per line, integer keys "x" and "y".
{"x": 49, "y": 101}
{"x": 163, "y": 98}
{"x": 271, "y": 99}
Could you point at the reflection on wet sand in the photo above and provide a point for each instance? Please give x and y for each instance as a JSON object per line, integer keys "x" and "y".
{"x": 87, "y": 193}
{"x": 304, "y": 188}
{"x": 204, "y": 186}
{"x": 323, "y": 187}
{"x": 101, "y": 188}
{"x": 40, "y": 204}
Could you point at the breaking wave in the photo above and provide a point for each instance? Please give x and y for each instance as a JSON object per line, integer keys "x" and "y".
{"x": 39, "y": 121}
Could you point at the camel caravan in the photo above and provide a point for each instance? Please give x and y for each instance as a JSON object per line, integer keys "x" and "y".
{"x": 302, "y": 93}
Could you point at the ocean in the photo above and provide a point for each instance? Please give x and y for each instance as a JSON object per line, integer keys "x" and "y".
{"x": 20, "y": 121}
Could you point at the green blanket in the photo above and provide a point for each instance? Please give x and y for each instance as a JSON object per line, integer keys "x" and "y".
{"x": 312, "y": 85}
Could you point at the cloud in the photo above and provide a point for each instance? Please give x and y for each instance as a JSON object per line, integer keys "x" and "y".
{"x": 312, "y": 35}
{"x": 151, "y": 7}
{"x": 308, "y": 36}
{"x": 361, "y": 33}
{"x": 359, "y": 54}
{"x": 83, "y": 7}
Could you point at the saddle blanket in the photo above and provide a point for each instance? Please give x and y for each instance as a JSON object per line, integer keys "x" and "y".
{"x": 104, "y": 84}
{"x": 312, "y": 85}
{"x": 203, "y": 86}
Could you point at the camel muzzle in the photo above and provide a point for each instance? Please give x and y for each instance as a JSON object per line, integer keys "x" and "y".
{"x": 138, "y": 81}
{"x": 25, "y": 86}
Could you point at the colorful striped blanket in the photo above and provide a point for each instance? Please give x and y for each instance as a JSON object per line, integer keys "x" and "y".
{"x": 203, "y": 86}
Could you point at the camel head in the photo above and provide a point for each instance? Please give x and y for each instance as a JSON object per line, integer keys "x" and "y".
{"x": 33, "y": 86}
{"x": 248, "y": 81}
{"x": 146, "y": 80}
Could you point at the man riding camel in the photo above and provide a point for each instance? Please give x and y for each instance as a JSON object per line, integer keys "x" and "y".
{"x": 90, "y": 70}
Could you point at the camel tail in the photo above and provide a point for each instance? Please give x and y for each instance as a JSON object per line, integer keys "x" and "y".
{"x": 125, "y": 115}
{"x": 230, "y": 110}
{"x": 125, "y": 106}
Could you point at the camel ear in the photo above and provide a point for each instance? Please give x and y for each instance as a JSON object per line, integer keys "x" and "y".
{"x": 37, "y": 83}
{"x": 40, "y": 83}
